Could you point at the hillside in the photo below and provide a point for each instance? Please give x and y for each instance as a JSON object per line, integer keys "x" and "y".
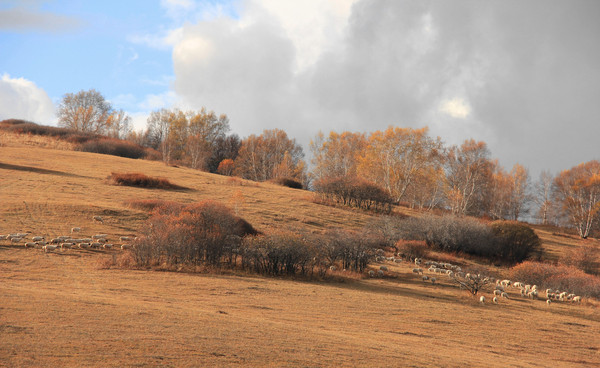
{"x": 67, "y": 309}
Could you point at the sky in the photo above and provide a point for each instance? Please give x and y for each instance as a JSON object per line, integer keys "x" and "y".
{"x": 523, "y": 76}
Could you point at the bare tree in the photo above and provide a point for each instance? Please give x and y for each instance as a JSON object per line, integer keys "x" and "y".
{"x": 85, "y": 111}
{"x": 472, "y": 281}
{"x": 543, "y": 196}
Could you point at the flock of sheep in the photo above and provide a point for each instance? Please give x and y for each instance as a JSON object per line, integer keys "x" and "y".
{"x": 98, "y": 241}
{"x": 500, "y": 290}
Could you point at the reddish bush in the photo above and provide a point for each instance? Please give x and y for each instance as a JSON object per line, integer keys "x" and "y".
{"x": 560, "y": 277}
{"x": 149, "y": 204}
{"x": 356, "y": 192}
{"x": 584, "y": 257}
{"x": 412, "y": 249}
{"x": 114, "y": 147}
{"x": 200, "y": 233}
{"x": 142, "y": 181}
{"x": 226, "y": 167}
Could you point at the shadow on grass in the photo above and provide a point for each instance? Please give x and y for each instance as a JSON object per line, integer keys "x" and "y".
{"x": 37, "y": 170}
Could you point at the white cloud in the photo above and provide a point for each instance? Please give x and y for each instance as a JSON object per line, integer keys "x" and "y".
{"x": 456, "y": 108}
{"x": 22, "y": 99}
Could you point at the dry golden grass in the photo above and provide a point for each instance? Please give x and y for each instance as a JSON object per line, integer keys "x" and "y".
{"x": 10, "y": 139}
{"x": 66, "y": 309}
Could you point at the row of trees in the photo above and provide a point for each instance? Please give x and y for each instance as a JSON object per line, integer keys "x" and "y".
{"x": 403, "y": 164}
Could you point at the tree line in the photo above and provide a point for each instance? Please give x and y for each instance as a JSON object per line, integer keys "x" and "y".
{"x": 398, "y": 165}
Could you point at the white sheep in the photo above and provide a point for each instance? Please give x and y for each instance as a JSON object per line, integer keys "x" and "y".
{"x": 505, "y": 283}
{"x": 425, "y": 278}
{"x": 371, "y": 273}
{"x": 49, "y": 248}
{"x": 98, "y": 219}
{"x": 433, "y": 280}
{"x": 482, "y": 299}
{"x": 66, "y": 245}
{"x": 83, "y": 245}
{"x": 577, "y": 299}
{"x": 417, "y": 270}
{"x": 497, "y": 292}
{"x": 37, "y": 238}
{"x": 398, "y": 260}
{"x": 380, "y": 273}
{"x": 548, "y": 301}
{"x": 30, "y": 244}
{"x": 383, "y": 268}
{"x": 96, "y": 245}
{"x": 16, "y": 240}
{"x": 99, "y": 236}
{"x": 75, "y": 229}
{"x": 495, "y": 300}
{"x": 127, "y": 246}
{"x": 332, "y": 268}
{"x": 3, "y": 237}
{"x": 125, "y": 238}
{"x": 504, "y": 295}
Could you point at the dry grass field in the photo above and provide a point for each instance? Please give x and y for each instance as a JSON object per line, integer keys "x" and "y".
{"x": 64, "y": 309}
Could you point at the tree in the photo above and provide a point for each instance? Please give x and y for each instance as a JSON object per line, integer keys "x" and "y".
{"x": 338, "y": 155}
{"x": 468, "y": 172}
{"x": 543, "y": 197}
{"x": 203, "y": 130}
{"x": 260, "y": 157}
{"x": 394, "y": 158}
{"x": 224, "y": 148}
{"x": 167, "y": 132}
{"x": 519, "y": 192}
{"x": 578, "y": 191}
{"x": 87, "y": 111}
{"x": 118, "y": 125}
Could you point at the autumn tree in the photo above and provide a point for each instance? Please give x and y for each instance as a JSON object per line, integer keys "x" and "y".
{"x": 224, "y": 148}
{"x": 394, "y": 158}
{"x": 468, "y": 172}
{"x": 88, "y": 111}
{"x": 578, "y": 191}
{"x": 168, "y": 132}
{"x": 543, "y": 197}
{"x": 204, "y": 128}
{"x": 260, "y": 158}
{"x": 337, "y": 155}
{"x": 519, "y": 192}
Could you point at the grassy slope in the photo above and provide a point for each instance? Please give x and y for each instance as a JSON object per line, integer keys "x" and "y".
{"x": 62, "y": 310}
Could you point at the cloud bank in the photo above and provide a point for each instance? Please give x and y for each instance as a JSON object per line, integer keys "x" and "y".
{"x": 22, "y": 99}
{"x": 522, "y": 76}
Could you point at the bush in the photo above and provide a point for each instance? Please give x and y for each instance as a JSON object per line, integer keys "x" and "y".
{"x": 202, "y": 233}
{"x": 288, "y": 182}
{"x": 412, "y": 249}
{"x": 354, "y": 192}
{"x": 115, "y": 147}
{"x": 142, "y": 181}
{"x": 584, "y": 257}
{"x": 149, "y": 204}
{"x": 504, "y": 241}
{"x": 515, "y": 241}
{"x": 564, "y": 278}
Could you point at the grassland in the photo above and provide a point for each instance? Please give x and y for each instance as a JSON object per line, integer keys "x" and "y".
{"x": 66, "y": 310}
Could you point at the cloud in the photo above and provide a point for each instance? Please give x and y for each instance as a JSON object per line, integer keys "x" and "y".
{"x": 524, "y": 81}
{"x": 24, "y": 19}
{"x": 22, "y": 99}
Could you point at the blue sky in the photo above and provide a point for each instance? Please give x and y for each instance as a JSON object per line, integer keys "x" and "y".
{"x": 523, "y": 76}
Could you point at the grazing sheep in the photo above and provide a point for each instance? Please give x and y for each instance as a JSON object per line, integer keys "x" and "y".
{"x": 383, "y": 268}
{"x": 505, "y": 283}
{"x": 482, "y": 299}
{"x": 371, "y": 273}
{"x": 37, "y": 238}
{"x": 504, "y": 295}
{"x": 30, "y": 244}
{"x": 398, "y": 260}
{"x": 125, "y": 238}
{"x": 518, "y": 284}
{"x": 332, "y": 268}
{"x": 66, "y": 245}
{"x": 49, "y": 248}
{"x": 98, "y": 219}
{"x": 99, "y": 236}
{"x": 495, "y": 300}
{"x": 380, "y": 273}
{"x": 417, "y": 270}
{"x": 548, "y": 301}
{"x": 425, "y": 278}
{"x": 499, "y": 287}
{"x": 3, "y": 237}
{"x": 497, "y": 292}
{"x": 523, "y": 293}
{"x": 577, "y": 299}
{"x": 433, "y": 280}
{"x": 83, "y": 245}
{"x": 127, "y": 246}
{"x": 96, "y": 245}
{"x": 75, "y": 229}
{"x": 16, "y": 240}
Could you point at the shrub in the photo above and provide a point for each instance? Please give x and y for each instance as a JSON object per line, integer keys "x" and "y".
{"x": 412, "y": 249}
{"x": 288, "y": 182}
{"x": 149, "y": 204}
{"x": 226, "y": 167}
{"x": 115, "y": 147}
{"x": 142, "y": 181}
{"x": 354, "y": 192}
{"x": 584, "y": 257}
{"x": 515, "y": 241}
{"x": 201, "y": 233}
{"x": 564, "y": 278}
